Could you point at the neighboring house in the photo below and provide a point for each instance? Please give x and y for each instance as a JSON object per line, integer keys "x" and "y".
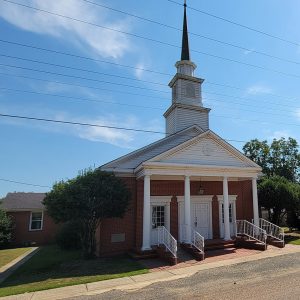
{"x": 191, "y": 180}
{"x": 32, "y": 225}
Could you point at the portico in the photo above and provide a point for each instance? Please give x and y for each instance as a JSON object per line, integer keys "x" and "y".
{"x": 187, "y": 203}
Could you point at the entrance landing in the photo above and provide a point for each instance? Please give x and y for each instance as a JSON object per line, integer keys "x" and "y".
{"x": 157, "y": 264}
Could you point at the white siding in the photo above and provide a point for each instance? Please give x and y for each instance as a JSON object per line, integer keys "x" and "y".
{"x": 181, "y": 93}
{"x": 205, "y": 152}
{"x": 170, "y": 123}
{"x": 187, "y": 117}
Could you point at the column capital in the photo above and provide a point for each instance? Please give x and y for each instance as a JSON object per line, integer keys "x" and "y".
{"x": 225, "y": 177}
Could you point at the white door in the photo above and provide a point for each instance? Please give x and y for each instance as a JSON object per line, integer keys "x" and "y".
{"x": 232, "y": 219}
{"x": 200, "y": 218}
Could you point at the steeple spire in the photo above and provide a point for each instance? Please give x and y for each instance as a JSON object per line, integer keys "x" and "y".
{"x": 185, "y": 50}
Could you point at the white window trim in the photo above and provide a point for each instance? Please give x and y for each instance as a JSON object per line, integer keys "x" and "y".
{"x": 162, "y": 201}
{"x": 232, "y": 200}
{"x": 42, "y": 221}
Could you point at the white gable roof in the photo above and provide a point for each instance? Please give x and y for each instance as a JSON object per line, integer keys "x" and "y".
{"x": 207, "y": 149}
{"x": 132, "y": 160}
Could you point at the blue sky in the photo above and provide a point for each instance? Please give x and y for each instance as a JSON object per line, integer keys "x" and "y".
{"x": 263, "y": 105}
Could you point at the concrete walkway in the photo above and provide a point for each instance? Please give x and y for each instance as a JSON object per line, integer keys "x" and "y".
{"x": 140, "y": 281}
{"x": 6, "y": 270}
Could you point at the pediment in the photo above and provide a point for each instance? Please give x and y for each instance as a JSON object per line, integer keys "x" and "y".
{"x": 207, "y": 149}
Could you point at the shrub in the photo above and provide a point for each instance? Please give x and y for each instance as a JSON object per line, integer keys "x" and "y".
{"x": 5, "y": 229}
{"x": 68, "y": 237}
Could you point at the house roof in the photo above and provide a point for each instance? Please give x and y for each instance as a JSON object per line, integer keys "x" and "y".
{"x": 22, "y": 201}
{"x": 132, "y": 160}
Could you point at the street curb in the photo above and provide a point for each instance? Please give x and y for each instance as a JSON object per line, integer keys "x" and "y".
{"x": 140, "y": 281}
{"x": 9, "y": 268}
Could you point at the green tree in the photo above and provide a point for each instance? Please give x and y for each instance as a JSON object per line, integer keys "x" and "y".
{"x": 6, "y": 227}
{"x": 281, "y": 158}
{"x": 89, "y": 198}
{"x": 279, "y": 196}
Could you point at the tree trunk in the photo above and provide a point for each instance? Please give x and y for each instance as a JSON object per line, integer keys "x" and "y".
{"x": 89, "y": 239}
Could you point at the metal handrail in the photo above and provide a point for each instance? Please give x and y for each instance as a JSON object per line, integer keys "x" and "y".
{"x": 197, "y": 240}
{"x": 244, "y": 227}
{"x": 165, "y": 238}
{"x": 272, "y": 230}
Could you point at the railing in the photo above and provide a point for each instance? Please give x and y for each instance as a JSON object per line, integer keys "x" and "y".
{"x": 272, "y": 230}
{"x": 165, "y": 238}
{"x": 197, "y": 240}
{"x": 254, "y": 232}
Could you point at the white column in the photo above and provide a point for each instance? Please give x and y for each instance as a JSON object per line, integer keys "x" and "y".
{"x": 146, "y": 214}
{"x": 255, "y": 202}
{"x": 226, "y": 210}
{"x": 187, "y": 209}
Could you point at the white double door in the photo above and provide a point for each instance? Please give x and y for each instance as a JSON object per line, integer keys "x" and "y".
{"x": 201, "y": 218}
{"x": 201, "y": 215}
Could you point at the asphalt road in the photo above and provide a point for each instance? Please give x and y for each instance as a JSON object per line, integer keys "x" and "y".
{"x": 271, "y": 278}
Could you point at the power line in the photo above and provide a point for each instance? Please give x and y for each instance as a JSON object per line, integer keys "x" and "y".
{"x": 238, "y": 24}
{"x": 81, "y": 86}
{"x": 24, "y": 183}
{"x": 191, "y": 33}
{"x": 81, "y": 57}
{"x": 141, "y": 106}
{"x": 79, "y": 69}
{"x": 77, "y": 98}
{"x": 126, "y": 66}
{"x": 154, "y": 97}
{"x": 93, "y": 125}
{"x": 154, "y": 40}
{"x": 80, "y": 77}
{"x": 114, "y": 127}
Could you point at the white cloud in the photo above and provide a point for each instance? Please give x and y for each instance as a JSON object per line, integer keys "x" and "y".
{"x": 89, "y": 38}
{"x": 139, "y": 70}
{"x": 259, "y": 89}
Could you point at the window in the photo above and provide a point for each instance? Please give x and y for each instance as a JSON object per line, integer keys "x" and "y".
{"x": 158, "y": 216}
{"x": 190, "y": 90}
{"x": 230, "y": 213}
{"x": 36, "y": 221}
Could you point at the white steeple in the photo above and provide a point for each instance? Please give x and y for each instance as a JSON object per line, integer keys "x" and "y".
{"x": 187, "y": 108}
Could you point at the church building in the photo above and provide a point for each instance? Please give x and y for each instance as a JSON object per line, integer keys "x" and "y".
{"x": 187, "y": 188}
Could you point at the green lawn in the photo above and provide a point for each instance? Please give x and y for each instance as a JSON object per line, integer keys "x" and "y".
{"x": 52, "y": 267}
{"x": 292, "y": 237}
{"x": 295, "y": 242}
{"x": 9, "y": 255}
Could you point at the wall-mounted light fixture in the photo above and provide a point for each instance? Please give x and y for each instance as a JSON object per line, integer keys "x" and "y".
{"x": 201, "y": 189}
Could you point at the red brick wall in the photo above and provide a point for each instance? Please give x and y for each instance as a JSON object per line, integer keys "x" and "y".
{"x": 132, "y": 223}
{"x": 125, "y": 225}
{"x": 22, "y": 234}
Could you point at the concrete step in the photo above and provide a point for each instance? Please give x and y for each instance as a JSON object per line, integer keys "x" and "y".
{"x": 218, "y": 244}
{"x": 191, "y": 252}
{"x": 245, "y": 242}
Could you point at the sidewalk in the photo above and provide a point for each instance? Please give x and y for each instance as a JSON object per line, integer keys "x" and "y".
{"x": 140, "y": 281}
{"x": 6, "y": 270}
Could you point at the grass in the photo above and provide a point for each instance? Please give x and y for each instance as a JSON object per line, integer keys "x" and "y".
{"x": 292, "y": 237}
{"x": 8, "y": 255}
{"x": 52, "y": 267}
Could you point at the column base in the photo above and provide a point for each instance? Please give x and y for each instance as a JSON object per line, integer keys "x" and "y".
{"x": 146, "y": 249}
